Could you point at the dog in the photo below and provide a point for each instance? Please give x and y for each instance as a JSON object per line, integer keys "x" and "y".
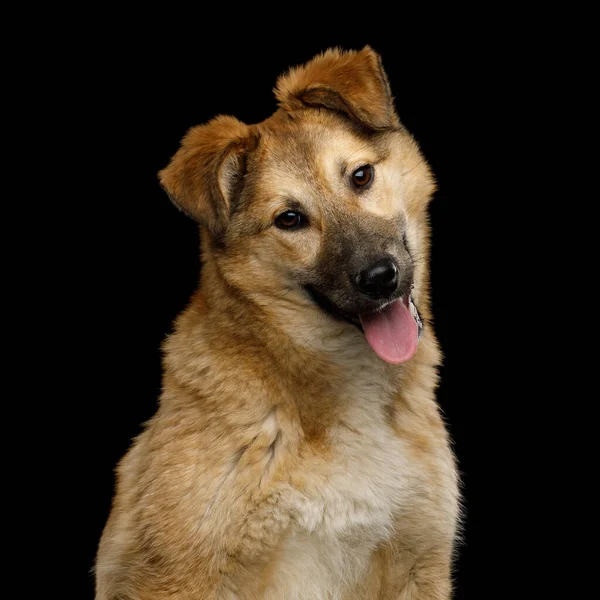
{"x": 298, "y": 451}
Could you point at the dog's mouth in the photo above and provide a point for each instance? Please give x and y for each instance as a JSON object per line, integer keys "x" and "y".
{"x": 392, "y": 330}
{"x": 323, "y": 302}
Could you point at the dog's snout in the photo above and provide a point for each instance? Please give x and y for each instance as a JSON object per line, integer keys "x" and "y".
{"x": 379, "y": 280}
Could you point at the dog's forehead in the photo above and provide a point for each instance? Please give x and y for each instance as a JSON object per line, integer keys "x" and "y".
{"x": 312, "y": 146}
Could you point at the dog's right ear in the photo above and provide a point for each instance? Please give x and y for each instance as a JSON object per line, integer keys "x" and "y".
{"x": 205, "y": 173}
{"x": 349, "y": 82}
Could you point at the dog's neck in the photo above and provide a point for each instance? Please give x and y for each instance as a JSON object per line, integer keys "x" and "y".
{"x": 230, "y": 337}
{"x": 283, "y": 352}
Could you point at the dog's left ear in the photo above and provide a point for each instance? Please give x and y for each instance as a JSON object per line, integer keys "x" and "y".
{"x": 205, "y": 174}
{"x": 350, "y": 82}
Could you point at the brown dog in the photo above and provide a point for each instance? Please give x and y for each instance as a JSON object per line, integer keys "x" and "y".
{"x": 298, "y": 451}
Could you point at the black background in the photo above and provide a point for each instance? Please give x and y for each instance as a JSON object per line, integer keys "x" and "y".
{"x": 137, "y": 256}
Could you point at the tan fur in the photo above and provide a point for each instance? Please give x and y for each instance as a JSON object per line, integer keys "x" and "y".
{"x": 286, "y": 460}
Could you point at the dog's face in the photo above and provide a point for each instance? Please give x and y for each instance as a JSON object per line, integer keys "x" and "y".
{"x": 322, "y": 209}
{"x": 323, "y": 203}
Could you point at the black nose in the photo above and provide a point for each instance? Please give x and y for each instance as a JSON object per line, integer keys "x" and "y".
{"x": 380, "y": 279}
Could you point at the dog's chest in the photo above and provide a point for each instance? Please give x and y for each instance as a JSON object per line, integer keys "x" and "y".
{"x": 343, "y": 507}
{"x": 348, "y": 495}
{"x": 354, "y": 483}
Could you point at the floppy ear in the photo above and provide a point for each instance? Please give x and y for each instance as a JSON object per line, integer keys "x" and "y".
{"x": 351, "y": 82}
{"x": 205, "y": 173}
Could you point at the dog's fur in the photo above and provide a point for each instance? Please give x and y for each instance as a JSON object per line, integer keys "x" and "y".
{"x": 286, "y": 459}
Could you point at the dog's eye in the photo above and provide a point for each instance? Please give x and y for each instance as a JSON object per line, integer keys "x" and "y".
{"x": 290, "y": 219}
{"x": 363, "y": 176}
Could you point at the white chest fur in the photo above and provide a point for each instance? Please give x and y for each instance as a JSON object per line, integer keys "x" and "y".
{"x": 360, "y": 488}
{"x": 364, "y": 480}
{"x": 344, "y": 512}
{"x": 348, "y": 503}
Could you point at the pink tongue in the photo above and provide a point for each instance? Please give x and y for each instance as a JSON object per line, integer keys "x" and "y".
{"x": 392, "y": 333}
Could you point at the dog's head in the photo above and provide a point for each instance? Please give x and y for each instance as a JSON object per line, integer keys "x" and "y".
{"x": 325, "y": 200}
